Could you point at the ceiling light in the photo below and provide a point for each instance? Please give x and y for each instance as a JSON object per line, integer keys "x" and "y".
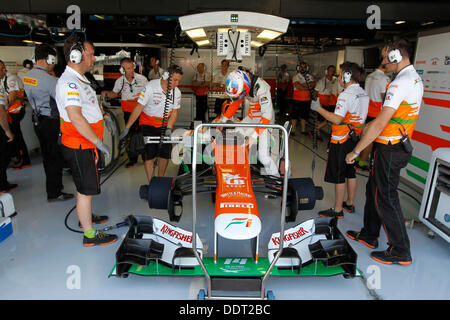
{"x": 269, "y": 34}
{"x": 202, "y": 42}
{"x": 158, "y": 34}
{"x": 256, "y": 43}
{"x": 196, "y": 33}
{"x": 338, "y": 39}
{"x": 61, "y": 34}
{"x": 141, "y": 35}
{"x": 426, "y": 23}
{"x": 28, "y": 41}
{"x": 400, "y": 22}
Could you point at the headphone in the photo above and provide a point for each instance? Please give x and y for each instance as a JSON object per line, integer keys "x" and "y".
{"x": 51, "y": 59}
{"x": 346, "y": 76}
{"x": 394, "y": 56}
{"x": 172, "y": 69}
{"x": 76, "y": 52}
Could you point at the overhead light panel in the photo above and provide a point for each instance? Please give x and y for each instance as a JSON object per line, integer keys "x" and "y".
{"x": 141, "y": 34}
{"x": 400, "y": 22}
{"x": 268, "y": 34}
{"x": 202, "y": 42}
{"x": 256, "y": 43}
{"x": 158, "y": 34}
{"x": 196, "y": 33}
{"x": 426, "y": 23}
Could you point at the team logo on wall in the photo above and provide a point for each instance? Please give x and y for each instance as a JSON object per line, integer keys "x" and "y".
{"x": 447, "y": 60}
{"x": 434, "y": 61}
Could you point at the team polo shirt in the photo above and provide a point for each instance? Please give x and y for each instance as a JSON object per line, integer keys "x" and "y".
{"x": 302, "y": 95}
{"x": 153, "y": 98}
{"x": 325, "y": 89}
{"x": 375, "y": 85}
{"x": 201, "y": 91}
{"x": 352, "y": 104}
{"x": 12, "y": 82}
{"x": 73, "y": 89}
{"x": 152, "y": 75}
{"x": 129, "y": 91}
{"x": 404, "y": 94}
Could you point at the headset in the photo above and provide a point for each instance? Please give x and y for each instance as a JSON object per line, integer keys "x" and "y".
{"x": 51, "y": 59}
{"x": 172, "y": 69}
{"x": 76, "y": 52}
{"x": 346, "y": 76}
{"x": 395, "y": 56}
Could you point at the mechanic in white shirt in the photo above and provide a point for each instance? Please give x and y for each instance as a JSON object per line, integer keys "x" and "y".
{"x": 325, "y": 88}
{"x": 150, "y": 108}
{"x": 218, "y": 85}
{"x": 128, "y": 87}
{"x": 157, "y": 71}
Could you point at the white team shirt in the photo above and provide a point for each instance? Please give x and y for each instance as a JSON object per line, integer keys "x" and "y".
{"x": 375, "y": 85}
{"x": 153, "y": 99}
{"x": 152, "y": 75}
{"x": 302, "y": 79}
{"x": 219, "y": 78}
{"x": 12, "y": 83}
{"x": 73, "y": 89}
{"x": 129, "y": 90}
{"x": 407, "y": 86}
{"x": 354, "y": 101}
{"x": 3, "y": 99}
{"x": 325, "y": 86}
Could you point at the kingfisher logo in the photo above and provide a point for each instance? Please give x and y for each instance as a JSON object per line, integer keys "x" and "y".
{"x": 240, "y": 221}
{"x": 234, "y": 179}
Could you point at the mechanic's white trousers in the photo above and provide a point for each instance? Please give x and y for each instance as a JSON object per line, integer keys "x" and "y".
{"x": 263, "y": 148}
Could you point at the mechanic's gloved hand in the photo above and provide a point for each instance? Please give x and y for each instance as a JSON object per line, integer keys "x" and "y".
{"x": 124, "y": 133}
{"x": 104, "y": 149}
{"x": 109, "y": 123}
{"x": 168, "y": 132}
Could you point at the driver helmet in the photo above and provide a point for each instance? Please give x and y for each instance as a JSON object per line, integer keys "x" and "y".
{"x": 238, "y": 84}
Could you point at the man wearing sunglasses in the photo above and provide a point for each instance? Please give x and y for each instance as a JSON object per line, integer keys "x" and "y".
{"x": 128, "y": 87}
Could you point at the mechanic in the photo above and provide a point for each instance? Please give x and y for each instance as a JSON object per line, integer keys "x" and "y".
{"x": 157, "y": 71}
{"x": 303, "y": 84}
{"x": 153, "y": 100}
{"x": 325, "y": 89}
{"x": 347, "y": 123}
{"x": 13, "y": 87}
{"x": 82, "y": 121}
{"x": 218, "y": 85}
{"x": 283, "y": 79}
{"x": 6, "y": 136}
{"x": 200, "y": 84}
{"x": 40, "y": 89}
{"x": 375, "y": 85}
{"x": 128, "y": 86}
{"x": 390, "y": 132}
{"x": 242, "y": 86}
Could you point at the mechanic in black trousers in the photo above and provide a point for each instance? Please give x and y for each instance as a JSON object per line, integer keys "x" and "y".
{"x": 40, "y": 87}
{"x": 390, "y": 131}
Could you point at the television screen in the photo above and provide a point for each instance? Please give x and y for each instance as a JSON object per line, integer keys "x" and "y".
{"x": 372, "y": 58}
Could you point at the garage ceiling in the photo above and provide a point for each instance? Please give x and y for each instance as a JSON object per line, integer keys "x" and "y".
{"x": 315, "y": 25}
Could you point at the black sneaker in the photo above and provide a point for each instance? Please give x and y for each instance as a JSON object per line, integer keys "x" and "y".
{"x": 100, "y": 239}
{"x": 349, "y": 208}
{"x": 389, "y": 257}
{"x": 97, "y": 219}
{"x": 358, "y": 236}
{"x": 330, "y": 213}
{"x": 62, "y": 197}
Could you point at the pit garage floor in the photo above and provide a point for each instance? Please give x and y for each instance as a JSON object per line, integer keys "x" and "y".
{"x": 38, "y": 261}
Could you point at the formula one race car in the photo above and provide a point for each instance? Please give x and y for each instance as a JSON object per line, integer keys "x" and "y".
{"x": 154, "y": 247}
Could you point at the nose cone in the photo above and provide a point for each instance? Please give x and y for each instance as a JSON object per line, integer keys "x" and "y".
{"x": 237, "y": 226}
